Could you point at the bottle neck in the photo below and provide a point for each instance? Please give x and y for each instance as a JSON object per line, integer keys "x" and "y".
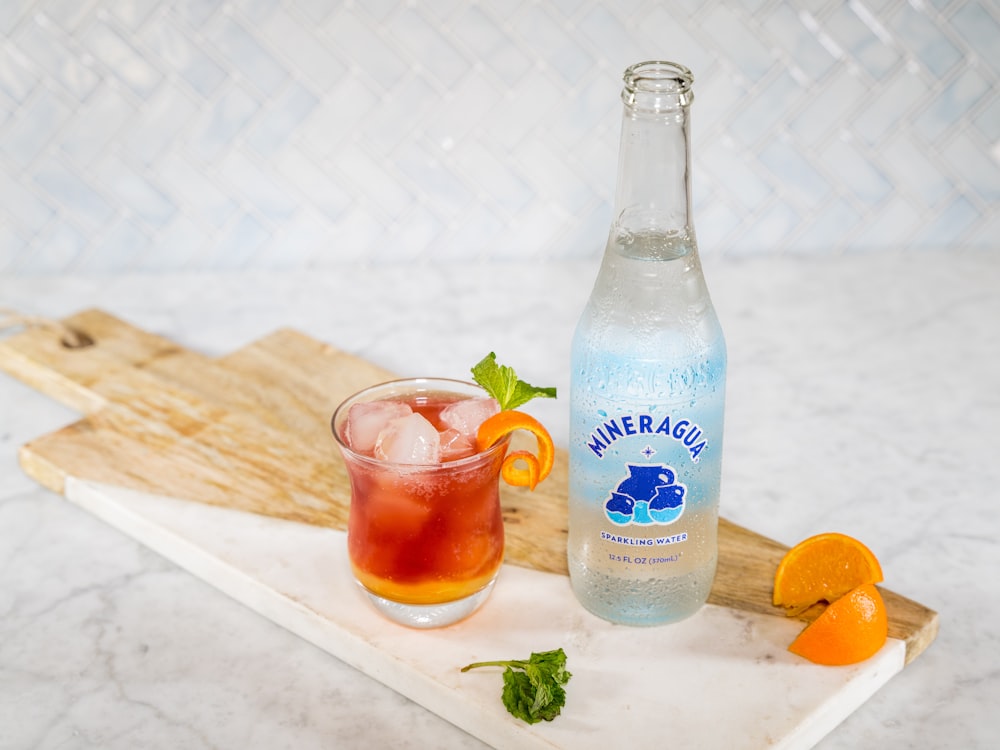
{"x": 653, "y": 196}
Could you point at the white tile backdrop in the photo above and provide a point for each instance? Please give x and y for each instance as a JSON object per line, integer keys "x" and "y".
{"x": 282, "y": 134}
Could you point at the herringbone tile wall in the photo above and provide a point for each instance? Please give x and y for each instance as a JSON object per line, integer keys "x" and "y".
{"x": 149, "y": 135}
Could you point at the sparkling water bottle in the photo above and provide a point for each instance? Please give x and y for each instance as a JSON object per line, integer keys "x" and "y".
{"x": 647, "y": 388}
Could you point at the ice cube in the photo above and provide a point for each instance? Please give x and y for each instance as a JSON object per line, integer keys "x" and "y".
{"x": 466, "y": 415}
{"x": 366, "y": 421}
{"x": 409, "y": 440}
{"x": 455, "y": 445}
{"x": 395, "y": 514}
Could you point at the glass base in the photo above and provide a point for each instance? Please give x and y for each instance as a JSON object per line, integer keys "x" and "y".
{"x": 430, "y": 615}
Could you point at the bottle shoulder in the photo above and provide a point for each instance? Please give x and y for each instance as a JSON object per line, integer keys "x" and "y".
{"x": 649, "y": 303}
{"x": 650, "y": 271}
{"x": 656, "y": 329}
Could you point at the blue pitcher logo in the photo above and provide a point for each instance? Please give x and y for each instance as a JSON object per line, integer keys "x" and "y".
{"x": 649, "y": 494}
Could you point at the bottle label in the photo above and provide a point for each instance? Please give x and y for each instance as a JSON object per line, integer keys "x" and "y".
{"x": 651, "y": 493}
{"x": 651, "y": 473}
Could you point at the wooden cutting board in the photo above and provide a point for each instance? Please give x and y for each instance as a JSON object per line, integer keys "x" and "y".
{"x": 249, "y": 432}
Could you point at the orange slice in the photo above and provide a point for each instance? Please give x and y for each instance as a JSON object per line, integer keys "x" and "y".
{"x": 823, "y": 568}
{"x": 852, "y": 629}
{"x": 536, "y": 468}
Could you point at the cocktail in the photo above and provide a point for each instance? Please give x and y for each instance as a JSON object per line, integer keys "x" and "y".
{"x": 425, "y": 532}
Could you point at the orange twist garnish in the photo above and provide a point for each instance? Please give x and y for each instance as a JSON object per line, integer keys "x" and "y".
{"x": 536, "y": 468}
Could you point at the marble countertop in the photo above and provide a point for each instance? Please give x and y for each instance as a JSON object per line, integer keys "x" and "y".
{"x": 862, "y": 398}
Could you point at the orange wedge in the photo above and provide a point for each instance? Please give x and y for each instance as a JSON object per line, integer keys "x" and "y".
{"x": 823, "y": 568}
{"x": 852, "y": 629}
{"x": 535, "y": 468}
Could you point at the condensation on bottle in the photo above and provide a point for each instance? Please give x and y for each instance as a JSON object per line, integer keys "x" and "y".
{"x": 647, "y": 387}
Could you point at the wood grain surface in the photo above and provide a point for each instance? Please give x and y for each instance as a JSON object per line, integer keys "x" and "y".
{"x": 251, "y": 431}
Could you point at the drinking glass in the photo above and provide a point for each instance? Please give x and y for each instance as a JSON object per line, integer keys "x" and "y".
{"x": 425, "y": 541}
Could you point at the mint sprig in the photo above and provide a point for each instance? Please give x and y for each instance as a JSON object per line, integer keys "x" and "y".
{"x": 533, "y": 688}
{"x": 502, "y": 383}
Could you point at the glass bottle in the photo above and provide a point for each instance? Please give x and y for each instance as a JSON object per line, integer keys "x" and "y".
{"x": 647, "y": 388}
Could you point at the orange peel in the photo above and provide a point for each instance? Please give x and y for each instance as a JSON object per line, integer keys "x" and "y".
{"x": 535, "y": 468}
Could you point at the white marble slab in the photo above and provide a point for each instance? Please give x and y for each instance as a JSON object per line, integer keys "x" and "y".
{"x": 631, "y": 687}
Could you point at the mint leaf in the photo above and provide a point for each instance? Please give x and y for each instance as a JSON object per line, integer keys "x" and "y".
{"x": 502, "y": 383}
{"x": 533, "y": 688}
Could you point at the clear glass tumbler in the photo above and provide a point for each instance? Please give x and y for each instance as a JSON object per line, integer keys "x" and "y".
{"x": 425, "y": 541}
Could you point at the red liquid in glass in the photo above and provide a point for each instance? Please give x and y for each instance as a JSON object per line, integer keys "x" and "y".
{"x": 426, "y": 534}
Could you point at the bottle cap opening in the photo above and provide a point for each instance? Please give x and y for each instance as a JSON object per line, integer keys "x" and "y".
{"x": 658, "y": 86}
